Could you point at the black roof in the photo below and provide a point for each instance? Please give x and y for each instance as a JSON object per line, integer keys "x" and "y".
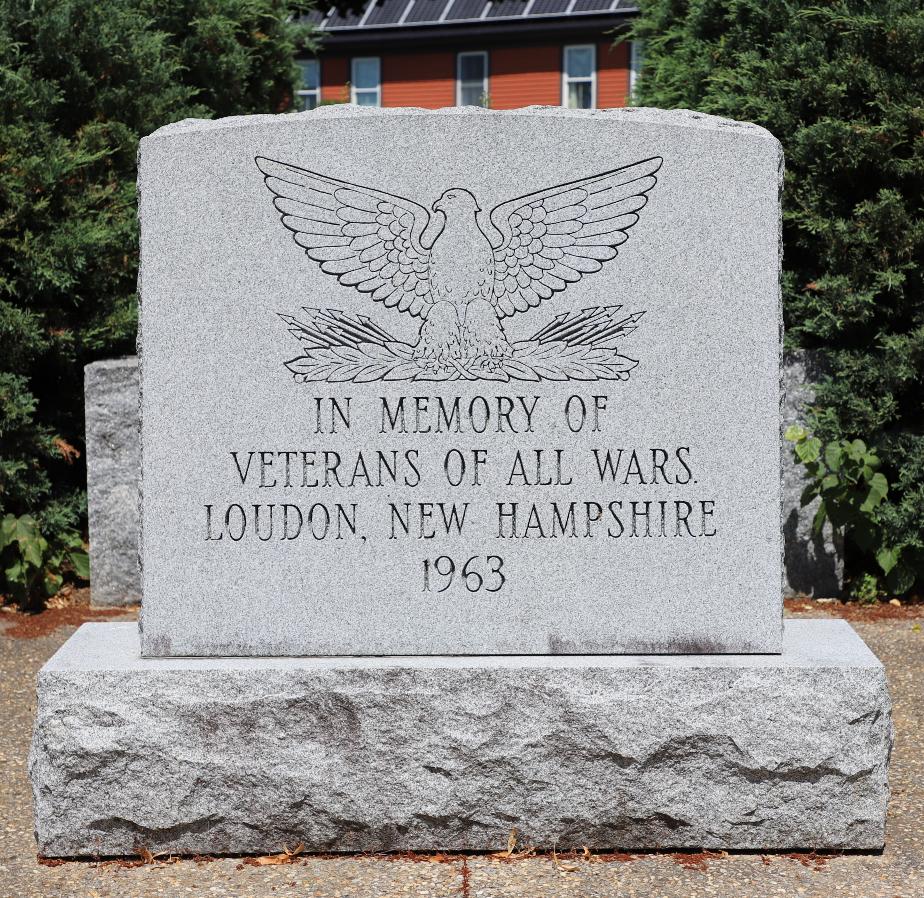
{"x": 384, "y": 18}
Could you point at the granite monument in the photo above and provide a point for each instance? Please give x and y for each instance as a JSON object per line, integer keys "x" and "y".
{"x": 461, "y": 505}
{"x": 391, "y": 407}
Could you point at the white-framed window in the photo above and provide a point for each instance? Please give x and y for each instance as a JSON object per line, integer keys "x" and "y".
{"x": 636, "y": 55}
{"x": 308, "y": 96}
{"x": 579, "y": 77}
{"x": 472, "y": 79}
{"x": 366, "y": 81}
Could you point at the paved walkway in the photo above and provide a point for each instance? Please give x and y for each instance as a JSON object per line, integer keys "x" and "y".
{"x": 897, "y": 873}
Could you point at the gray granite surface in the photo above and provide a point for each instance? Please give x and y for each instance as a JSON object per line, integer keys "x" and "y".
{"x": 461, "y": 339}
{"x": 113, "y": 471}
{"x": 813, "y": 565}
{"x": 814, "y": 562}
{"x": 244, "y": 755}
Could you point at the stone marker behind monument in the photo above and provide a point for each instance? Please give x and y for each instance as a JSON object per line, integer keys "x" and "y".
{"x": 460, "y": 382}
{"x": 113, "y": 470}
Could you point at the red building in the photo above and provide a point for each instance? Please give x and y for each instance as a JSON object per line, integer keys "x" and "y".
{"x": 498, "y": 53}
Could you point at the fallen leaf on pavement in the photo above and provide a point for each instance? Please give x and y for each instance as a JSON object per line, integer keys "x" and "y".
{"x": 285, "y": 857}
{"x": 563, "y": 868}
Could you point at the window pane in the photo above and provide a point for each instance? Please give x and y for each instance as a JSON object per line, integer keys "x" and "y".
{"x": 472, "y": 94}
{"x": 307, "y": 100}
{"x": 471, "y": 67}
{"x": 366, "y": 72}
{"x": 579, "y": 62}
{"x": 580, "y": 94}
{"x": 635, "y": 66}
{"x": 311, "y": 71}
{"x": 367, "y": 97}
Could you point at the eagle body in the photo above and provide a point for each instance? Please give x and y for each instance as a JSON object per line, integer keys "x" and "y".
{"x": 462, "y": 323}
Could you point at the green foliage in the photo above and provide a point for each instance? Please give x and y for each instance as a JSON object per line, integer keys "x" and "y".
{"x": 851, "y": 490}
{"x": 80, "y": 82}
{"x": 866, "y": 589}
{"x": 841, "y": 84}
{"x": 32, "y": 567}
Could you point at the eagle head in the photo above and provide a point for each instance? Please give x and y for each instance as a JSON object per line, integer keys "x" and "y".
{"x": 456, "y": 200}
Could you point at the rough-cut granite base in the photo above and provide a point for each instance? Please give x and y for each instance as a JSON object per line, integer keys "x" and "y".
{"x": 246, "y": 755}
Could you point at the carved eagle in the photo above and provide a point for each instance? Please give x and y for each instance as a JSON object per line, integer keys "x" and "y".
{"x": 459, "y": 270}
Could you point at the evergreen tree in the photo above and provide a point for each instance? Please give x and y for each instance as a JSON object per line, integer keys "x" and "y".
{"x": 841, "y": 84}
{"x": 80, "y": 82}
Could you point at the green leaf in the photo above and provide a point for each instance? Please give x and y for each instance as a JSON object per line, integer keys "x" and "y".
{"x": 70, "y": 539}
{"x": 795, "y": 433}
{"x": 819, "y": 519}
{"x": 887, "y": 558}
{"x": 7, "y": 526}
{"x": 51, "y": 583}
{"x": 833, "y": 456}
{"x": 901, "y": 578}
{"x": 81, "y": 564}
{"x": 829, "y": 482}
{"x": 879, "y": 484}
{"x": 809, "y": 450}
{"x": 24, "y": 529}
{"x": 33, "y": 550}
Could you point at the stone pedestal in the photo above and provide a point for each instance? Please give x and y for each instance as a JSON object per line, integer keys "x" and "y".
{"x": 376, "y": 754}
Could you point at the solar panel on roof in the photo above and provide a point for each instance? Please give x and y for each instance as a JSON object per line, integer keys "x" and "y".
{"x": 386, "y": 12}
{"x": 426, "y": 10}
{"x": 340, "y": 20}
{"x": 313, "y": 17}
{"x": 591, "y": 5}
{"x": 466, "y": 9}
{"x": 431, "y": 12}
{"x": 548, "y": 7}
{"x": 506, "y": 8}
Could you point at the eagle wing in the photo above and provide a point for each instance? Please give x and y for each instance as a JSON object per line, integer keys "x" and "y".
{"x": 553, "y": 237}
{"x": 366, "y": 238}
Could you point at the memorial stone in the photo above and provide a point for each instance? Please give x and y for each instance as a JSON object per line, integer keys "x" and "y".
{"x": 497, "y": 395}
{"x": 460, "y": 382}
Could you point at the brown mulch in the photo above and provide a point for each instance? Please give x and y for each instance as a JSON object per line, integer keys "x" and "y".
{"x": 21, "y": 625}
{"x": 69, "y": 608}
{"x": 909, "y": 609}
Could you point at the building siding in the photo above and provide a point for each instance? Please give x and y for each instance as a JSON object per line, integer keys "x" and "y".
{"x": 612, "y": 75}
{"x": 419, "y": 79}
{"x": 335, "y": 76}
{"x": 517, "y": 76}
{"x": 522, "y": 76}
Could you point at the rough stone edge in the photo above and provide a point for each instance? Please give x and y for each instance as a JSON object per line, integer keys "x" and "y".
{"x": 856, "y": 666}
{"x": 781, "y": 388}
{"x": 139, "y": 344}
{"x": 648, "y": 115}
